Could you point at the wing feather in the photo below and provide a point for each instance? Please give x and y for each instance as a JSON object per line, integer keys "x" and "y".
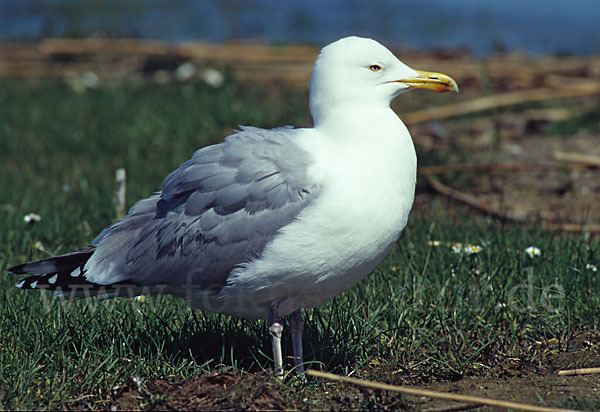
{"x": 218, "y": 210}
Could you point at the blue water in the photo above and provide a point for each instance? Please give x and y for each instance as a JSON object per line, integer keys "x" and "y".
{"x": 479, "y": 26}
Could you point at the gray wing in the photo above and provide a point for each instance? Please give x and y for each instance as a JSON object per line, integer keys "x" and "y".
{"x": 216, "y": 211}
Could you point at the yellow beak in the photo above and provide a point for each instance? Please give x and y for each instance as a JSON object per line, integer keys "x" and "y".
{"x": 438, "y": 82}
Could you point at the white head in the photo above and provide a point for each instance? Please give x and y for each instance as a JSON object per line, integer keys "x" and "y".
{"x": 359, "y": 71}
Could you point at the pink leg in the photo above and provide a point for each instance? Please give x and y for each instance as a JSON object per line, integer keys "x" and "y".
{"x": 296, "y": 326}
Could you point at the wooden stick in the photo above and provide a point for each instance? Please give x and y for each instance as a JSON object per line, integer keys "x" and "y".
{"x": 482, "y": 104}
{"x": 575, "y": 227}
{"x": 473, "y": 202}
{"x": 454, "y": 408}
{"x": 580, "y": 371}
{"x": 434, "y": 394}
{"x": 576, "y": 158}
{"x": 469, "y": 200}
{"x": 247, "y": 53}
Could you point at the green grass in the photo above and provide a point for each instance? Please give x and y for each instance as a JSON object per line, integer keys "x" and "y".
{"x": 439, "y": 314}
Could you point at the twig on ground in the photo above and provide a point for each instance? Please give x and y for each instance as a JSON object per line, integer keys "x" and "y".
{"x": 454, "y": 408}
{"x": 576, "y": 158}
{"x": 580, "y": 371}
{"x": 469, "y": 200}
{"x": 437, "y": 395}
{"x": 486, "y": 103}
{"x": 473, "y": 202}
{"x": 575, "y": 227}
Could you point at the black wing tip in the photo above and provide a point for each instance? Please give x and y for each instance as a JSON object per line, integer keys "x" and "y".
{"x": 68, "y": 261}
{"x": 16, "y": 270}
{"x": 29, "y": 283}
{"x": 45, "y": 281}
{"x": 65, "y": 283}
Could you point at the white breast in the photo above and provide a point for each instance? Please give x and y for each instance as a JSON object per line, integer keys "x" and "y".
{"x": 367, "y": 190}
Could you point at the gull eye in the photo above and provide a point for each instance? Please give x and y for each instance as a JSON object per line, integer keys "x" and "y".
{"x": 374, "y": 67}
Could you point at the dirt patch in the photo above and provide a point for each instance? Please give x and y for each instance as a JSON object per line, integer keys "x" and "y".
{"x": 546, "y": 390}
{"x": 217, "y": 391}
{"x": 249, "y": 392}
{"x": 512, "y": 379}
{"x": 261, "y": 391}
{"x": 543, "y": 189}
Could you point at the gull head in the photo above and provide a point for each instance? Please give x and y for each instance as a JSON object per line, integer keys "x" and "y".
{"x": 356, "y": 71}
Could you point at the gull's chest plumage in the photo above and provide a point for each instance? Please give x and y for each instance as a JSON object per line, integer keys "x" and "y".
{"x": 362, "y": 207}
{"x": 367, "y": 204}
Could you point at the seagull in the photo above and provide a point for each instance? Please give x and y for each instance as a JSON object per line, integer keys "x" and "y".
{"x": 270, "y": 221}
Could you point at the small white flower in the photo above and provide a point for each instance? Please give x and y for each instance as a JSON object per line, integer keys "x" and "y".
{"x": 213, "y": 78}
{"x": 185, "y": 71}
{"x": 40, "y": 246}
{"x": 591, "y": 267}
{"x": 466, "y": 249}
{"x": 32, "y": 218}
{"x": 472, "y": 249}
{"x": 140, "y": 298}
{"x": 90, "y": 80}
{"x": 533, "y": 251}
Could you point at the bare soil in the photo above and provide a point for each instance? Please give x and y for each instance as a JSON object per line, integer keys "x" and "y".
{"x": 544, "y": 190}
{"x": 260, "y": 391}
{"x": 511, "y": 379}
